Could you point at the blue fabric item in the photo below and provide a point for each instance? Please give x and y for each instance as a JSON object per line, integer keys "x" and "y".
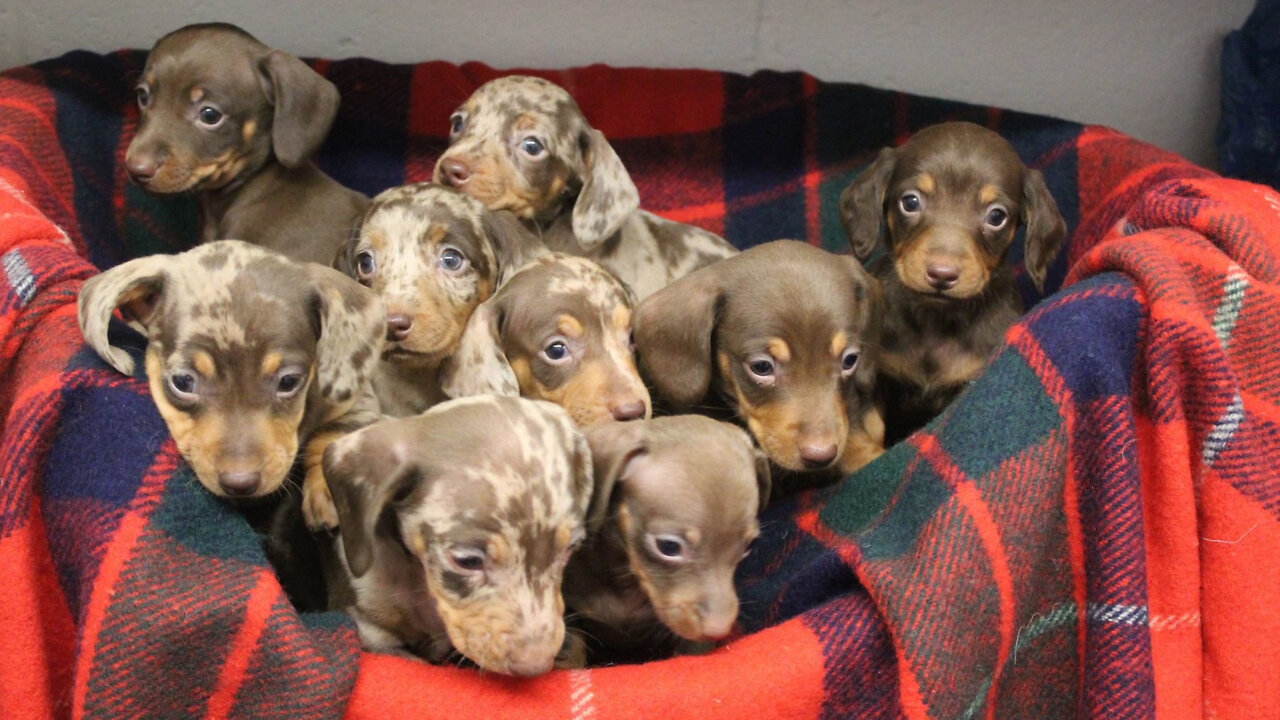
{"x": 1248, "y": 136}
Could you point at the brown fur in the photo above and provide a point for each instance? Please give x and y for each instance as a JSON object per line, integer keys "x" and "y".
{"x": 949, "y": 293}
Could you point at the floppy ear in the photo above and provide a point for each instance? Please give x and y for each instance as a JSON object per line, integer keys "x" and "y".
{"x": 361, "y": 497}
{"x": 479, "y": 366}
{"x": 862, "y": 204}
{"x": 764, "y": 477}
{"x": 135, "y": 287}
{"x": 673, "y": 330}
{"x": 584, "y": 477}
{"x": 614, "y": 445}
{"x": 1045, "y": 227}
{"x": 513, "y": 244}
{"x": 351, "y": 324}
{"x": 608, "y": 195}
{"x": 305, "y": 107}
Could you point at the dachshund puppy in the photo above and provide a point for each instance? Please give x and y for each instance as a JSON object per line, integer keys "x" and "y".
{"x": 558, "y": 330}
{"x": 433, "y": 254}
{"x": 248, "y": 353}
{"x": 950, "y": 201}
{"x": 236, "y": 123}
{"x": 520, "y": 143}
{"x": 456, "y": 526}
{"x": 782, "y": 337}
{"x": 673, "y": 512}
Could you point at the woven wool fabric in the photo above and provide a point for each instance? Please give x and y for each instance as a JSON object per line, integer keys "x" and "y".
{"x": 1090, "y": 531}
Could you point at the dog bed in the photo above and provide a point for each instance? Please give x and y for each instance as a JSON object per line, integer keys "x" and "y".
{"x": 1091, "y": 529}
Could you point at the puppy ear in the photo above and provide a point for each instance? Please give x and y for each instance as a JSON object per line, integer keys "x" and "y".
{"x": 513, "y": 244}
{"x": 1045, "y": 227}
{"x": 361, "y": 496}
{"x": 351, "y": 329}
{"x": 764, "y": 477}
{"x": 479, "y": 366}
{"x": 305, "y": 103}
{"x": 135, "y": 288}
{"x": 673, "y": 330}
{"x": 869, "y": 294}
{"x": 584, "y": 476}
{"x": 608, "y": 195}
{"x": 614, "y": 445}
{"x": 862, "y": 204}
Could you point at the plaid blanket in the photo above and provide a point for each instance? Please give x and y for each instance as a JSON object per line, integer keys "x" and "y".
{"x": 1091, "y": 530}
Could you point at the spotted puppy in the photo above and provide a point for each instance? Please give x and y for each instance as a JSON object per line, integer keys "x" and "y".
{"x": 456, "y": 526}
{"x": 248, "y": 354}
{"x": 949, "y": 201}
{"x": 520, "y": 143}
{"x": 674, "y": 511}
{"x": 235, "y": 122}
{"x": 558, "y": 330}
{"x": 433, "y": 254}
{"x": 783, "y": 337}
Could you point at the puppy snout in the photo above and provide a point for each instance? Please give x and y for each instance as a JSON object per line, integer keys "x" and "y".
{"x": 628, "y": 410}
{"x": 942, "y": 275}
{"x": 456, "y": 172}
{"x": 818, "y": 454}
{"x": 530, "y": 663}
{"x": 240, "y": 483}
{"x": 142, "y": 169}
{"x": 398, "y": 327}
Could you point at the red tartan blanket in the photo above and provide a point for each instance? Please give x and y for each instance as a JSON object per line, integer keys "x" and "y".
{"x": 1091, "y": 530}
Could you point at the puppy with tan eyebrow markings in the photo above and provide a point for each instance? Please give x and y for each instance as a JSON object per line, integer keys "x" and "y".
{"x": 950, "y": 201}
{"x": 249, "y": 355}
{"x": 783, "y": 338}
{"x": 558, "y": 330}
{"x": 673, "y": 512}
{"x": 456, "y": 526}
{"x": 521, "y": 144}
{"x": 433, "y": 254}
{"x": 225, "y": 117}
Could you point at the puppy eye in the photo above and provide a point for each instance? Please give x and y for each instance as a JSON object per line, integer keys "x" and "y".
{"x": 532, "y": 146}
{"x": 909, "y": 202}
{"x": 761, "y": 368}
{"x": 467, "y": 560}
{"x": 288, "y": 385}
{"x": 144, "y": 96}
{"x": 210, "y": 116}
{"x": 183, "y": 385}
{"x": 366, "y": 265}
{"x": 997, "y": 217}
{"x": 667, "y": 547}
{"x": 456, "y": 123}
{"x": 452, "y": 259}
{"x": 556, "y": 351}
{"x": 848, "y": 362}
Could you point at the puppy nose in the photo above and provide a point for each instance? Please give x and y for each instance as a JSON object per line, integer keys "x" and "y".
{"x": 240, "y": 484}
{"x": 141, "y": 170}
{"x": 816, "y": 455}
{"x": 398, "y": 326}
{"x": 942, "y": 276}
{"x": 629, "y": 410}
{"x": 456, "y": 172}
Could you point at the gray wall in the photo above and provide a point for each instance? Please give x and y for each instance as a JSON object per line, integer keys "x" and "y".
{"x": 1147, "y": 67}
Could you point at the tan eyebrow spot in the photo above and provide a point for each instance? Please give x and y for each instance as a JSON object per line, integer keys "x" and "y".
{"x": 498, "y": 550}
{"x": 564, "y": 535}
{"x": 779, "y": 349}
{"x": 378, "y": 241}
{"x": 435, "y": 234}
{"x": 271, "y": 363}
{"x": 203, "y": 363}
{"x": 248, "y": 130}
{"x": 694, "y": 536}
{"x": 197, "y": 94}
{"x": 926, "y": 183}
{"x": 569, "y": 325}
{"x": 988, "y": 194}
{"x": 838, "y": 343}
{"x": 621, "y": 318}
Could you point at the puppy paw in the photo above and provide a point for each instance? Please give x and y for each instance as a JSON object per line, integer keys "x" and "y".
{"x": 317, "y": 504}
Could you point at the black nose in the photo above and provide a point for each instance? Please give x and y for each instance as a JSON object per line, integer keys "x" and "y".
{"x": 630, "y": 410}
{"x": 817, "y": 455}
{"x": 141, "y": 170}
{"x": 456, "y": 172}
{"x": 942, "y": 276}
{"x": 240, "y": 484}
{"x": 398, "y": 326}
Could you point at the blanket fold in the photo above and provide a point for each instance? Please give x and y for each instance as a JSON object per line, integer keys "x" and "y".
{"x": 1090, "y": 530}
